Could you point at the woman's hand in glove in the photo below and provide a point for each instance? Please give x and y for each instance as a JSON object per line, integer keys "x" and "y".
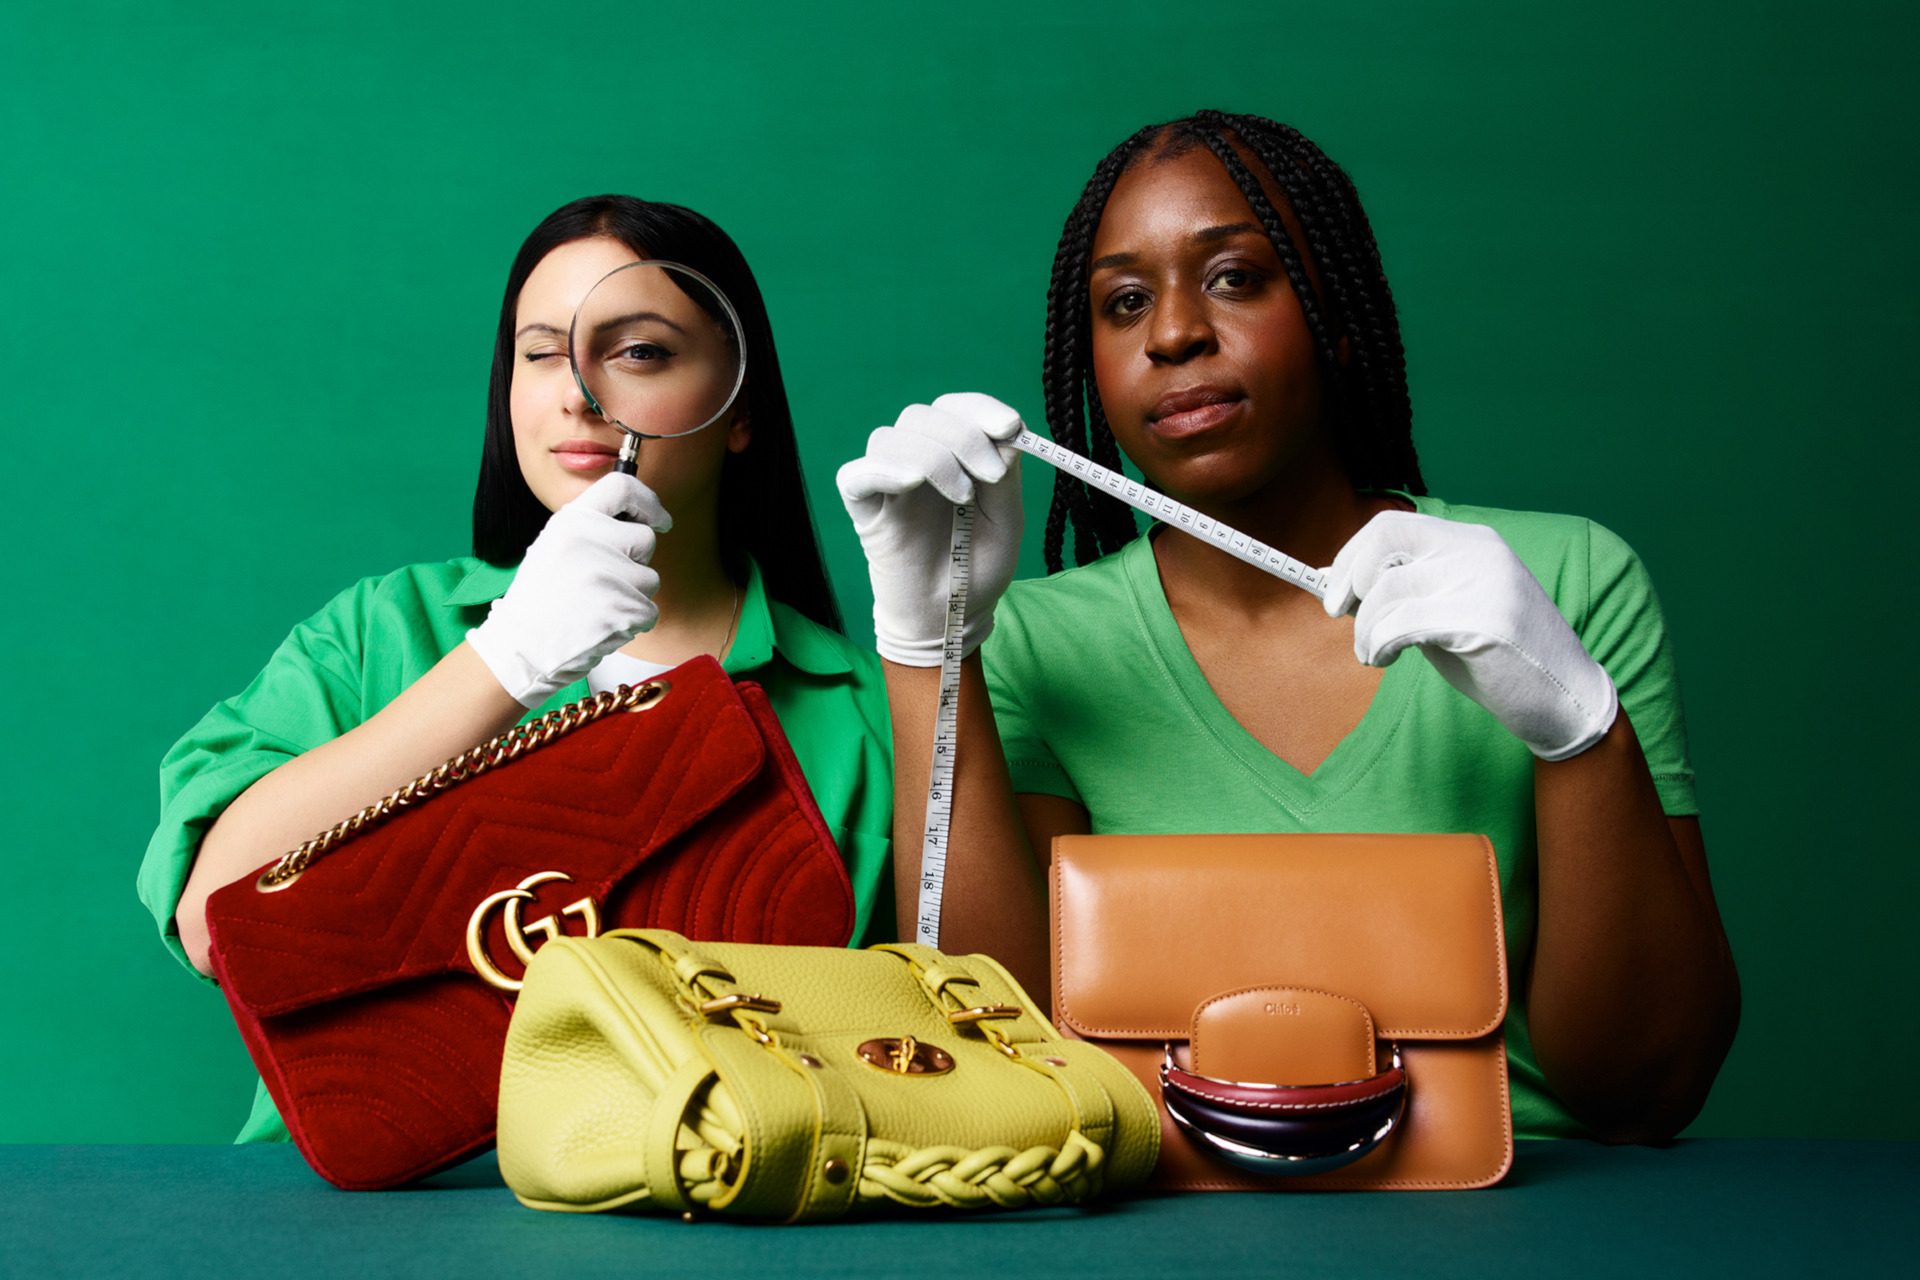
{"x": 1460, "y": 594}
{"x": 901, "y": 495}
{"x": 583, "y": 590}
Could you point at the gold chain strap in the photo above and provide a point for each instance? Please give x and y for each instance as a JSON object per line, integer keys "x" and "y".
{"x": 505, "y": 749}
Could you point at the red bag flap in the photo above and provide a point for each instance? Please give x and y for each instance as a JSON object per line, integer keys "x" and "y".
{"x": 393, "y": 903}
{"x": 1147, "y": 927}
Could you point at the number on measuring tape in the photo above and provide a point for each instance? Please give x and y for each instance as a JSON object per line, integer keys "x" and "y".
{"x": 946, "y": 732}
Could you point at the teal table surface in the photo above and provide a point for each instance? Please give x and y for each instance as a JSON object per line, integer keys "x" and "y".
{"x": 1716, "y": 1207}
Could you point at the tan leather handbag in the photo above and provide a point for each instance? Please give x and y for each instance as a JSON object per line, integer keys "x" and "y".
{"x": 1312, "y": 1011}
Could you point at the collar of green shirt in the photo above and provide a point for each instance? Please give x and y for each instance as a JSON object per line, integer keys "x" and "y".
{"x": 765, "y": 627}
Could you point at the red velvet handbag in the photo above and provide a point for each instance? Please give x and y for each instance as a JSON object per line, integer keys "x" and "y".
{"x": 372, "y": 971}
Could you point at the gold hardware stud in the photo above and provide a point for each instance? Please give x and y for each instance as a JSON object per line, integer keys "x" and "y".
{"x": 835, "y": 1171}
{"x": 1055, "y": 1062}
{"x": 687, "y": 1216}
{"x": 808, "y": 1059}
{"x": 275, "y": 878}
{"x": 647, "y": 695}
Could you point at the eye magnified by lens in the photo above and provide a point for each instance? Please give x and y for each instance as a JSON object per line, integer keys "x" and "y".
{"x": 657, "y": 350}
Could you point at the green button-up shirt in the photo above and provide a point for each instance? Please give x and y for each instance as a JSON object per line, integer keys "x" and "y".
{"x": 341, "y": 666}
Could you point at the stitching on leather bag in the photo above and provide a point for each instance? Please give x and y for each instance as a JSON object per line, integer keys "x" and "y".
{"x": 766, "y": 847}
{"x": 709, "y": 874}
{"x": 1499, "y": 953}
{"x": 698, "y": 720}
{"x": 387, "y": 1068}
{"x": 710, "y": 877}
{"x": 1499, "y": 941}
{"x": 1060, "y": 967}
{"x": 1270, "y": 1106}
{"x": 1505, "y": 1104}
{"x": 789, "y": 881}
{"x": 413, "y": 1078}
{"x": 703, "y": 884}
{"x": 408, "y": 1033}
{"x": 1492, "y": 866}
{"x": 374, "y": 1104}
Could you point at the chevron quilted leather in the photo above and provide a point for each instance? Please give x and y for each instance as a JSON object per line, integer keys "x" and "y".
{"x": 353, "y": 987}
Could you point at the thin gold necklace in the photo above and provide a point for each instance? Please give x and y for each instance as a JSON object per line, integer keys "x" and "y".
{"x": 721, "y": 656}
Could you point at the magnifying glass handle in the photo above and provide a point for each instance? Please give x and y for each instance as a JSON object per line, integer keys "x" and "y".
{"x": 629, "y": 454}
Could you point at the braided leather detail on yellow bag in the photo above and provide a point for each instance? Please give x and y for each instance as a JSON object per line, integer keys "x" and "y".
{"x": 989, "y": 1177}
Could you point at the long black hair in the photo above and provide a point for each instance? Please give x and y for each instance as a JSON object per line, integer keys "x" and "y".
{"x": 1366, "y": 393}
{"x": 763, "y": 502}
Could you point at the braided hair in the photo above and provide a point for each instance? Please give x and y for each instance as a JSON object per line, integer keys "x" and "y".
{"x": 1366, "y": 394}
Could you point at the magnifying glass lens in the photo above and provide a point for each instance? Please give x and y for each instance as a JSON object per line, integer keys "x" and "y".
{"x": 656, "y": 349}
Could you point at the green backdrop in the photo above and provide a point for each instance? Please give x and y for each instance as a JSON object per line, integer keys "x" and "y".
{"x": 1653, "y": 261}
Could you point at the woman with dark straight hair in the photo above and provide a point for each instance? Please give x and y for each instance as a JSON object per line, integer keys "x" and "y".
{"x": 1219, "y": 314}
{"x": 763, "y": 500}
{"x": 582, "y": 578}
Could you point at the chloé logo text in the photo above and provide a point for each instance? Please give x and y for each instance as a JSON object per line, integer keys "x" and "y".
{"x": 1283, "y": 1008}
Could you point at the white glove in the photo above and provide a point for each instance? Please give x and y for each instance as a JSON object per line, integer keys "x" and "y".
{"x": 583, "y": 590}
{"x": 1460, "y": 594}
{"x": 901, "y": 496}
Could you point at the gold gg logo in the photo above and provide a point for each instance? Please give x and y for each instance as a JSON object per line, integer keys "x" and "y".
{"x": 513, "y": 900}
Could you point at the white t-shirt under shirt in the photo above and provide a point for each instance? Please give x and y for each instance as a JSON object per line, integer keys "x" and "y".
{"x": 619, "y": 668}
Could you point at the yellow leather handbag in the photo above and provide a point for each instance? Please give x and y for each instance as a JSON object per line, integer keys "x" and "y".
{"x": 792, "y": 1084}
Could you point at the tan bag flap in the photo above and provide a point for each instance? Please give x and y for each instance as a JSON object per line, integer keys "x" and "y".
{"x": 1282, "y": 1035}
{"x": 1145, "y": 928}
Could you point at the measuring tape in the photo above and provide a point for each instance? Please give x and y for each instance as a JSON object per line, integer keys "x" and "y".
{"x": 946, "y": 723}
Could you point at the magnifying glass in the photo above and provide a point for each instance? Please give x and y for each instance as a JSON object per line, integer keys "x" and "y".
{"x": 658, "y": 351}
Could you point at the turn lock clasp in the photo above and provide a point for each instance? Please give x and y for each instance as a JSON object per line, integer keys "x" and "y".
{"x": 905, "y": 1056}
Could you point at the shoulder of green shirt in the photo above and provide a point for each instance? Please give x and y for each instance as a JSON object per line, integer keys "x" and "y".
{"x": 1533, "y": 535}
{"x": 1609, "y": 599}
{"x": 1071, "y": 588}
{"x": 1590, "y": 571}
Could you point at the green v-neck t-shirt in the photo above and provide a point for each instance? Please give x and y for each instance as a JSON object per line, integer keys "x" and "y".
{"x": 1099, "y": 700}
{"x": 380, "y": 635}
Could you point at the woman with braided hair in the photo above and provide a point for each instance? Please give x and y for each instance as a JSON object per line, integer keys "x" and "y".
{"x": 1219, "y": 314}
